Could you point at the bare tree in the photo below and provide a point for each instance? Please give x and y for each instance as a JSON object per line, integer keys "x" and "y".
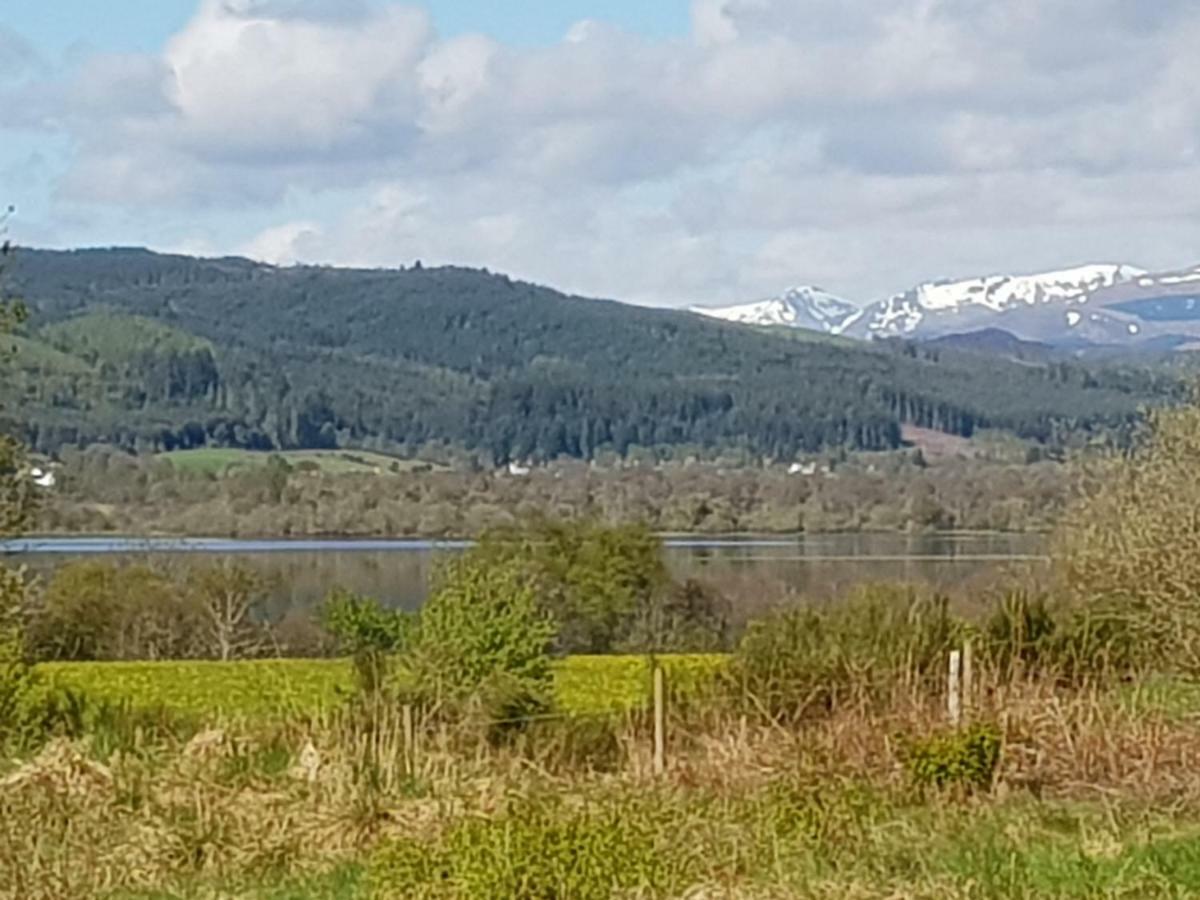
{"x": 230, "y": 597}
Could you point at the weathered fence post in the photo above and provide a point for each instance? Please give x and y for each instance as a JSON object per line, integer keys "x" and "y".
{"x": 954, "y": 688}
{"x": 410, "y": 749}
{"x": 660, "y": 721}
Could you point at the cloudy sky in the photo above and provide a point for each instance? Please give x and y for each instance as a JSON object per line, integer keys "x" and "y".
{"x": 662, "y": 152}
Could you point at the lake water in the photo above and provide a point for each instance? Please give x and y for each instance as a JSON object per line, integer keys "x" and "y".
{"x": 398, "y": 572}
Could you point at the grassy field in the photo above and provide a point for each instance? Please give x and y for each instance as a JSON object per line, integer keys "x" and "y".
{"x": 280, "y": 688}
{"x": 215, "y": 460}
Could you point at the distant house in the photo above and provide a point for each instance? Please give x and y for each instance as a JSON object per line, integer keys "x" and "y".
{"x": 805, "y": 469}
{"x": 518, "y": 470}
{"x": 43, "y": 478}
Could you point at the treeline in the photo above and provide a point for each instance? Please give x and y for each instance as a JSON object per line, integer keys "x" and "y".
{"x": 106, "y": 490}
{"x": 152, "y": 353}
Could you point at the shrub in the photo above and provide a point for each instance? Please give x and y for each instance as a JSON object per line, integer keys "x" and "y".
{"x": 1133, "y": 538}
{"x": 964, "y": 758}
{"x": 593, "y": 580}
{"x": 482, "y": 640}
{"x": 30, "y": 710}
{"x": 1074, "y": 644}
{"x": 1018, "y": 634}
{"x": 690, "y": 617}
{"x": 367, "y": 632}
{"x": 797, "y": 663}
{"x": 101, "y": 610}
{"x": 1100, "y": 641}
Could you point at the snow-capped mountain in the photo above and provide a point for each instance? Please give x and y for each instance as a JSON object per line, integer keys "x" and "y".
{"x": 799, "y": 307}
{"x": 942, "y": 306}
{"x": 1103, "y": 304}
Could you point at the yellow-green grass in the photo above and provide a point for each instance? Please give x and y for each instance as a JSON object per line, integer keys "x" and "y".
{"x": 215, "y": 460}
{"x": 277, "y": 688}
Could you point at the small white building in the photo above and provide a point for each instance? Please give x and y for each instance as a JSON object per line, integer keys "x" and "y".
{"x": 43, "y": 478}
{"x": 518, "y": 470}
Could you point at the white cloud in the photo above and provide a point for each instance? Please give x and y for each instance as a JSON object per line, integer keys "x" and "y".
{"x": 285, "y": 245}
{"x": 862, "y": 143}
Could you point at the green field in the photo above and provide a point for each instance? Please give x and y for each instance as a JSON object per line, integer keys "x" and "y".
{"x": 215, "y": 460}
{"x": 281, "y": 687}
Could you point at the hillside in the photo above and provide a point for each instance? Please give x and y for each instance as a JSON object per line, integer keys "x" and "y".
{"x": 161, "y": 353}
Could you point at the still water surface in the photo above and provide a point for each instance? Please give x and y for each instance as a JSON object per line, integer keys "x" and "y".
{"x": 398, "y": 571}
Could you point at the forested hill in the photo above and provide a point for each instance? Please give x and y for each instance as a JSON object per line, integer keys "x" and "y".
{"x": 158, "y": 352}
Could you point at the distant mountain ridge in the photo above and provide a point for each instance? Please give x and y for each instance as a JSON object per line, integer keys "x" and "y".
{"x": 1092, "y": 305}
{"x": 154, "y": 352}
{"x": 806, "y": 306}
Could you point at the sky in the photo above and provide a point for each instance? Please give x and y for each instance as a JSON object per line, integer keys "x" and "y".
{"x": 666, "y": 153}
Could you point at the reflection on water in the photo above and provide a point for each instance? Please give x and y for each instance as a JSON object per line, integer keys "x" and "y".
{"x": 398, "y": 572}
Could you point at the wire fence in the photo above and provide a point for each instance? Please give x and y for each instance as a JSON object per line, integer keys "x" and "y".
{"x": 664, "y": 712}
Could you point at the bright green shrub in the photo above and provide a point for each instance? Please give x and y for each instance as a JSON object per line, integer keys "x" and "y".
{"x": 966, "y": 758}
{"x": 484, "y": 640}
{"x": 367, "y": 632}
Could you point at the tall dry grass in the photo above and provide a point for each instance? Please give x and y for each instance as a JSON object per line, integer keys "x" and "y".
{"x": 90, "y": 816}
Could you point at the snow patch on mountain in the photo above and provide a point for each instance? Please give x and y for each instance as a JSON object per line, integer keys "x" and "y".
{"x": 800, "y": 307}
{"x": 904, "y": 313}
{"x": 1098, "y": 304}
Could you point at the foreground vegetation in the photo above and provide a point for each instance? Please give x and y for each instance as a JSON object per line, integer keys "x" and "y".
{"x": 1088, "y": 798}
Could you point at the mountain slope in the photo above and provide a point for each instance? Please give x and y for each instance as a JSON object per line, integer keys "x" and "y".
{"x": 1108, "y": 305}
{"x": 942, "y": 306}
{"x": 242, "y": 354}
{"x": 799, "y": 307}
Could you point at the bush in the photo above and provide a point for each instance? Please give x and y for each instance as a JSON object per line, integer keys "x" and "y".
{"x": 483, "y": 641}
{"x": 101, "y": 610}
{"x": 1101, "y": 641}
{"x": 30, "y": 709}
{"x": 24, "y": 699}
{"x": 1133, "y": 539}
{"x": 681, "y": 618}
{"x": 798, "y": 663}
{"x": 965, "y": 758}
{"x": 1018, "y": 634}
{"x": 595, "y": 581}
{"x": 367, "y": 632}
{"x": 1094, "y": 641}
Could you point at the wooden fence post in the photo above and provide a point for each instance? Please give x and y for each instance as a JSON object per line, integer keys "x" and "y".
{"x": 660, "y": 722}
{"x": 954, "y": 688}
{"x": 410, "y": 749}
